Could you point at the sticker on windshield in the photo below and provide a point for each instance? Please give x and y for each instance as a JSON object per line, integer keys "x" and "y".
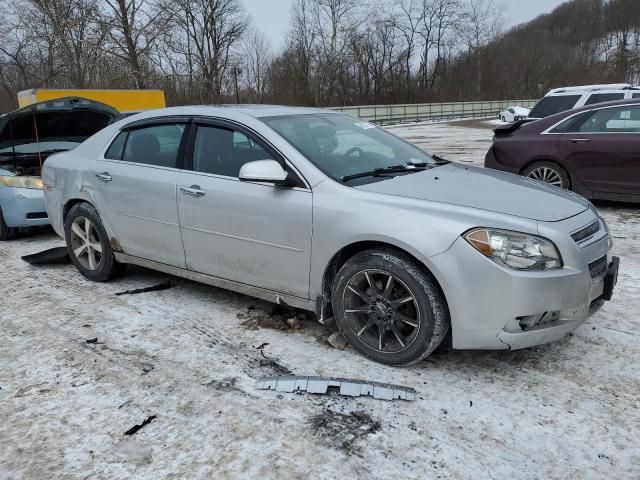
{"x": 364, "y": 125}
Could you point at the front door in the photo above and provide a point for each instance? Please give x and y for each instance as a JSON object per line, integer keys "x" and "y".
{"x": 604, "y": 150}
{"x": 135, "y": 188}
{"x": 253, "y": 233}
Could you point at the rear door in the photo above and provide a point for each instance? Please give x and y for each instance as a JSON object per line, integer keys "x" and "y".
{"x": 135, "y": 187}
{"x": 603, "y": 149}
{"x": 253, "y": 233}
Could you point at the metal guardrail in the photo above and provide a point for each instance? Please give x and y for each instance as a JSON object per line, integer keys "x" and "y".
{"x": 431, "y": 111}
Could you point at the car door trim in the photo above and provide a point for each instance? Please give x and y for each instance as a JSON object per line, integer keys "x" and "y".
{"x": 235, "y": 179}
{"x": 149, "y": 122}
{"x": 245, "y": 239}
{"x": 237, "y": 287}
{"x": 148, "y": 219}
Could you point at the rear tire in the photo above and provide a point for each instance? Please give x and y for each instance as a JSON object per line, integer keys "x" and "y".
{"x": 548, "y": 172}
{"x": 6, "y": 233}
{"x": 388, "y": 308}
{"x": 88, "y": 244}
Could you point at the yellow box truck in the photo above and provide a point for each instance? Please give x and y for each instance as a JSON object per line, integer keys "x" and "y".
{"x": 121, "y": 100}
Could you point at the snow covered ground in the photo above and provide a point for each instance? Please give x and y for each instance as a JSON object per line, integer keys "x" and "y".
{"x": 190, "y": 355}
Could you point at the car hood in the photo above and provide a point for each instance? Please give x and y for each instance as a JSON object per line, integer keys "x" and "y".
{"x": 485, "y": 189}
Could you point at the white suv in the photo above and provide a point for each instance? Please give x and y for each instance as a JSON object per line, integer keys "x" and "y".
{"x": 567, "y": 98}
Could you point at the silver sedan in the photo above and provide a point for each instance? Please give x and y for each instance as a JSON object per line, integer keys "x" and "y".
{"x": 327, "y": 213}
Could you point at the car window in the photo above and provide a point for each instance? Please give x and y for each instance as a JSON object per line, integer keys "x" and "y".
{"x": 571, "y": 124}
{"x": 604, "y": 97}
{"x": 551, "y": 105}
{"x": 612, "y": 120}
{"x": 636, "y": 95}
{"x": 223, "y": 151}
{"x": 156, "y": 145}
{"x": 116, "y": 149}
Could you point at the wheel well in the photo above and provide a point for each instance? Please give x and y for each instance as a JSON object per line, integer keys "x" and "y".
{"x": 68, "y": 207}
{"x": 548, "y": 160}
{"x": 324, "y": 308}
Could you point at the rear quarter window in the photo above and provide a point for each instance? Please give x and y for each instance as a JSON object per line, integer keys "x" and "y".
{"x": 116, "y": 149}
{"x": 604, "y": 97}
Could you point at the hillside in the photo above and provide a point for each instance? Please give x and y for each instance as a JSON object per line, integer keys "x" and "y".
{"x": 580, "y": 42}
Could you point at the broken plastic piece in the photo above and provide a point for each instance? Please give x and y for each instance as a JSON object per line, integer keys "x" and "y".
{"x": 349, "y": 388}
{"x": 155, "y": 288}
{"x": 135, "y": 428}
{"x": 52, "y": 256}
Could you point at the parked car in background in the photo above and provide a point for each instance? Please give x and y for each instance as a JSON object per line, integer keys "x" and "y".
{"x": 594, "y": 150}
{"x": 405, "y": 246}
{"x": 28, "y": 136}
{"x": 513, "y": 114}
{"x": 568, "y": 98}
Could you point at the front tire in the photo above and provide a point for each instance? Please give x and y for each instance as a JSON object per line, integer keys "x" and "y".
{"x": 88, "y": 244}
{"x": 6, "y": 233}
{"x": 388, "y": 308}
{"x": 548, "y": 172}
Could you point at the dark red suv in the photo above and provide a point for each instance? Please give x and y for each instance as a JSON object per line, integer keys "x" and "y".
{"x": 594, "y": 150}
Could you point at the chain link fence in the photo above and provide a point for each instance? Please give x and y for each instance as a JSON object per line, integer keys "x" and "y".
{"x": 432, "y": 111}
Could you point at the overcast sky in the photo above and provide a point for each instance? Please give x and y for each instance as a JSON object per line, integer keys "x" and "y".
{"x": 272, "y": 16}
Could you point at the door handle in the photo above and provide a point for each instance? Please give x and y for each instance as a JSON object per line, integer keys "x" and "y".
{"x": 193, "y": 190}
{"x": 580, "y": 140}
{"x": 104, "y": 177}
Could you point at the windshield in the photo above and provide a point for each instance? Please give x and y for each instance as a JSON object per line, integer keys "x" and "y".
{"x": 343, "y": 146}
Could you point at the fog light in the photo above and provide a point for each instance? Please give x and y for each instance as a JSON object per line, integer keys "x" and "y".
{"x": 530, "y": 321}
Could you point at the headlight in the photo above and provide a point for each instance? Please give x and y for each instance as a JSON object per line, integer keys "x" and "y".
{"x": 21, "y": 182}
{"x": 519, "y": 251}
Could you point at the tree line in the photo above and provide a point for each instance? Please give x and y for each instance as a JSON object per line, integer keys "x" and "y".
{"x": 336, "y": 52}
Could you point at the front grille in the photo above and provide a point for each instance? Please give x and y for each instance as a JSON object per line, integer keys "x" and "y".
{"x": 36, "y": 215}
{"x": 598, "y": 268}
{"x": 586, "y": 232}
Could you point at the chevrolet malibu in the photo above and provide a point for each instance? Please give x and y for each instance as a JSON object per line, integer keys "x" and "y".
{"x": 325, "y": 212}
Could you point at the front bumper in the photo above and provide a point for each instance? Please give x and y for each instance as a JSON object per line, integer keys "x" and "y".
{"x": 493, "y": 307}
{"x": 23, "y": 207}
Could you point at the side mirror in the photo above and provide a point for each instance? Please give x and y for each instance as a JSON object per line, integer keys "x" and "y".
{"x": 268, "y": 171}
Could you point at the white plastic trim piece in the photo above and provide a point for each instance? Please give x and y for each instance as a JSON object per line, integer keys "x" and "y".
{"x": 346, "y": 387}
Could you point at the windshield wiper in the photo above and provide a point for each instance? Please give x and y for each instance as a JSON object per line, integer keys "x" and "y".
{"x": 407, "y": 168}
{"x": 440, "y": 160}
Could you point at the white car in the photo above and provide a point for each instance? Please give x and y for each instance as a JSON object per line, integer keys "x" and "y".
{"x": 513, "y": 114}
{"x": 569, "y": 98}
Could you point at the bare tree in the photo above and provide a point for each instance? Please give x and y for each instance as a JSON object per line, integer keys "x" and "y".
{"x": 210, "y": 30}
{"x": 133, "y": 28}
{"x": 406, "y": 17}
{"x": 256, "y": 58}
{"x": 71, "y": 35}
{"x": 480, "y": 22}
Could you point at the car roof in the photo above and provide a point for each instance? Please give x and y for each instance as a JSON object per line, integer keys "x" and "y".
{"x": 581, "y": 89}
{"x": 255, "y": 111}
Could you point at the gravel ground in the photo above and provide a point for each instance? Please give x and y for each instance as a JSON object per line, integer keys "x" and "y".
{"x": 80, "y": 366}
